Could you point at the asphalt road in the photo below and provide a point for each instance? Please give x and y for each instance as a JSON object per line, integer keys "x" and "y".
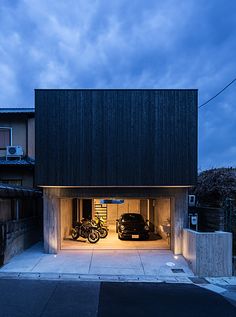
{"x": 20, "y": 298}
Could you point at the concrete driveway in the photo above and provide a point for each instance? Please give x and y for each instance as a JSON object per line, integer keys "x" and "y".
{"x": 143, "y": 263}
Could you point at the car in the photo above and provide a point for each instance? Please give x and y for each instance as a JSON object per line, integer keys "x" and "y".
{"x": 132, "y": 226}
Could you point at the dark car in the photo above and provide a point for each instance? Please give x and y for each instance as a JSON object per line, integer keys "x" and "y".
{"x": 132, "y": 226}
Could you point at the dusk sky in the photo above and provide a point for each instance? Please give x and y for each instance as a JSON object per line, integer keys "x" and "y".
{"x": 126, "y": 44}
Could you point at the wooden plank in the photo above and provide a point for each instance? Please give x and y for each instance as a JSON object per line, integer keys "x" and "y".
{"x": 100, "y": 210}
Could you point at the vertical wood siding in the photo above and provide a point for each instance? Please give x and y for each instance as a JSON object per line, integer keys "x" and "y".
{"x": 116, "y": 137}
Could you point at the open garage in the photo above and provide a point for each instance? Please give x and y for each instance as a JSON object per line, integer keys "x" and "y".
{"x": 154, "y": 213}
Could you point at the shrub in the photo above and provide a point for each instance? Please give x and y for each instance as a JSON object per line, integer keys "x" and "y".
{"x": 215, "y": 185}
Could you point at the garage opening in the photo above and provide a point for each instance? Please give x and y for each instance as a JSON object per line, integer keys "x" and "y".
{"x": 127, "y": 220}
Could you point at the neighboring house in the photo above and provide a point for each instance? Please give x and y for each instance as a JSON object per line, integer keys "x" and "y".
{"x": 20, "y": 219}
{"x": 17, "y": 146}
{"x": 20, "y": 203}
{"x": 137, "y": 145}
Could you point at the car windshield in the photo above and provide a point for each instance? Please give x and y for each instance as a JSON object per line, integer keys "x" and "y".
{"x": 132, "y": 217}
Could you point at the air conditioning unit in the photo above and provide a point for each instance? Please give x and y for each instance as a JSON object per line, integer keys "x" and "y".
{"x": 191, "y": 200}
{"x": 14, "y": 151}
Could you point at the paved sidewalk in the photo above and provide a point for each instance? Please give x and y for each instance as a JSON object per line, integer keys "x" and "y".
{"x": 108, "y": 265}
{"x": 98, "y": 265}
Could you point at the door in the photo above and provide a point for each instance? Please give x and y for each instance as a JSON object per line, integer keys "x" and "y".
{"x": 87, "y": 208}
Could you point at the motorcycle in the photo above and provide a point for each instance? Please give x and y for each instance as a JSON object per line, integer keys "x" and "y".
{"x": 87, "y": 230}
{"x": 99, "y": 223}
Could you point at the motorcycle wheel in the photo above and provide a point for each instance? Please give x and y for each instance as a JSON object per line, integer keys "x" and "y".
{"x": 74, "y": 234}
{"x": 93, "y": 236}
{"x": 103, "y": 233}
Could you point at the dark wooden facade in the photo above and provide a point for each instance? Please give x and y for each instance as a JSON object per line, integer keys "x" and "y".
{"x": 116, "y": 137}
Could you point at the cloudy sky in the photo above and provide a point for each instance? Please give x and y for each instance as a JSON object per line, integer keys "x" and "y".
{"x": 126, "y": 44}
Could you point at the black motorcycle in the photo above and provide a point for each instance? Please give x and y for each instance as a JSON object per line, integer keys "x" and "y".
{"x": 87, "y": 230}
{"x": 99, "y": 223}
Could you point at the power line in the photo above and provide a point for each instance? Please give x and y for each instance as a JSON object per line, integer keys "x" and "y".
{"x": 218, "y": 93}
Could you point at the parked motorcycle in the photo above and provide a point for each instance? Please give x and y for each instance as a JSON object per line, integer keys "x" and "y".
{"x": 87, "y": 230}
{"x": 101, "y": 227}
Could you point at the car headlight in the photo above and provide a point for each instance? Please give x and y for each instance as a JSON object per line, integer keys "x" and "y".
{"x": 146, "y": 228}
{"x": 122, "y": 227}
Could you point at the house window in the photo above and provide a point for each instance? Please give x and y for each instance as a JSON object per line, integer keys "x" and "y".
{"x": 5, "y": 137}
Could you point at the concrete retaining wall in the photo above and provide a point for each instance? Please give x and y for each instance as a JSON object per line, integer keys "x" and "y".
{"x": 208, "y": 253}
{"x": 18, "y": 236}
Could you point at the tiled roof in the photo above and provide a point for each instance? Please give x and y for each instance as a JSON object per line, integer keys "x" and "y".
{"x": 16, "y": 110}
{"x": 16, "y": 162}
{"x": 7, "y": 190}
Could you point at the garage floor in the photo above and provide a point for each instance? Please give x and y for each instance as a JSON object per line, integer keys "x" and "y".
{"x": 111, "y": 242}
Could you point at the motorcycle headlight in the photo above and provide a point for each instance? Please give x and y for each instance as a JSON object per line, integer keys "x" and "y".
{"x": 122, "y": 227}
{"x": 146, "y": 228}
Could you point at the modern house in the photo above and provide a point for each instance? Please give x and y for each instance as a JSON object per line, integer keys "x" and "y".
{"x": 96, "y": 146}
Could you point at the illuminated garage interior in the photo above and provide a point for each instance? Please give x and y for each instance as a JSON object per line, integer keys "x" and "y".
{"x": 157, "y": 213}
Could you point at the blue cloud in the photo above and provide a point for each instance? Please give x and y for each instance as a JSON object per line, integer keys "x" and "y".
{"x": 102, "y": 44}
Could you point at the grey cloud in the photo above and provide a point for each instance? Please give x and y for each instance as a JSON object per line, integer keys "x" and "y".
{"x": 155, "y": 44}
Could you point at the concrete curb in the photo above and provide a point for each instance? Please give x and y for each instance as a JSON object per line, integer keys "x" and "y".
{"x": 94, "y": 277}
{"x": 221, "y": 281}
